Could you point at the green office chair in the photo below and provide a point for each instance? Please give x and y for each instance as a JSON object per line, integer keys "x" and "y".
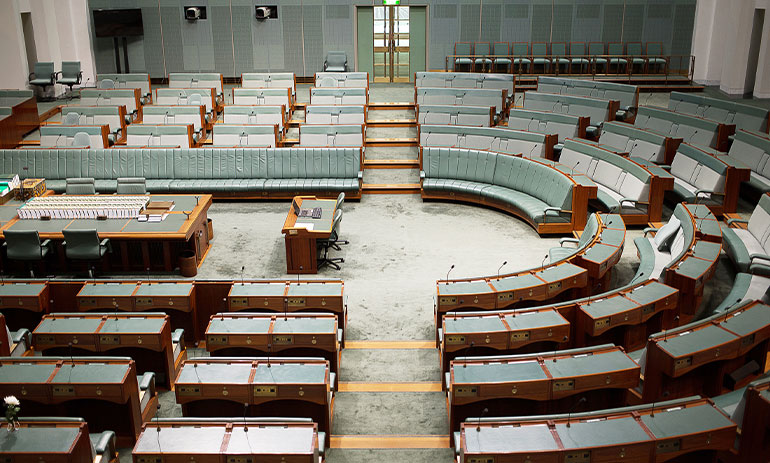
{"x": 340, "y": 200}
{"x": 80, "y": 186}
{"x": 25, "y": 245}
{"x": 44, "y": 75}
{"x": 84, "y": 245}
{"x": 70, "y": 74}
{"x": 332, "y": 242}
{"x": 132, "y": 186}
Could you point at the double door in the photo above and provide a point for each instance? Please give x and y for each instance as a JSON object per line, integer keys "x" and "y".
{"x": 391, "y": 44}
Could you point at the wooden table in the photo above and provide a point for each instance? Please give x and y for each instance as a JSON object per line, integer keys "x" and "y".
{"x": 301, "y": 247}
{"x": 65, "y": 441}
{"x": 135, "y": 245}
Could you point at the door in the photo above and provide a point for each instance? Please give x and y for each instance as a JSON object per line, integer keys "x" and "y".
{"x": 391, "y": 44}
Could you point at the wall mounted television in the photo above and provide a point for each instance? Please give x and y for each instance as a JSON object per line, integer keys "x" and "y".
{"x": 118, "y": 23}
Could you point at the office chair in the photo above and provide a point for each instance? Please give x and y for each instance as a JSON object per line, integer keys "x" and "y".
{"x": 336, "y": 61}
{"x": 81, "y": 140}
{"x": 80, "y": 186}
{"x": 70, "y": 74}
{"x": 332, "y": 242}
{"x": 84, "y": 245}
{"x": 340, "y": 201}
{"x": 72, "y": 118}
{"x": 25, "y": 245}
{"x": 43, "y": 77}
{"x": 132, "y": 186}
{"x": 195, "y": 100}
{"x": 107, "y": 84}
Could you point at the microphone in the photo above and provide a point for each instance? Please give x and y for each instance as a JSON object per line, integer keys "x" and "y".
{"x": 285, "y": 307}
{"x": 542, "y": 264}
{"x": 652, "y": 407}
{"x": 243, "y": 267}
{"x": 447, "y": 273}
{"x": 572, "y": 409}
{"x": 665, "y": 331}
{"x": 483, "y": 414}
{"x": 467, "y": 349}
{"x": 149, "y": 283}
{"x": 573, "y": 168}
{"x": 72, "y": 359}
{"x": 300, "y": 269}
{"x": 500, "y": 267}
{"x": 245, "y": 410}
{"x": 269, "y": 348}
{"x": 157, "y": 426}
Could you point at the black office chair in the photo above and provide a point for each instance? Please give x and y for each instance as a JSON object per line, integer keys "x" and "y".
{"x": 25, "y": 245}
{"x": 340, "y": 200}
{"x": 85, "y": 245}
{"x": 332, "y": 242}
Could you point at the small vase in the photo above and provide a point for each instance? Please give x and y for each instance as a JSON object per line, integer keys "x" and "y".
{"x": 11, "y": 426}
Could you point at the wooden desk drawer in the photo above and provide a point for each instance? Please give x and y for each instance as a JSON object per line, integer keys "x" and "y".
{"x": 239, "y": 303}
{"x": 147, "y": 303}
{"x": 105, "y": 303}
{"x": 147, "y": 341}
{"x": 34, "y": 304}
{"x": 311, "y": 393}
{"x": 36, "y": 392}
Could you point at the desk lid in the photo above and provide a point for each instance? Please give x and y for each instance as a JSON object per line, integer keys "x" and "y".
{"x": 512, "y": 283}
{"x": 690, "y": 342}
{"x": 651, "y": 292}
{"x": 612, "y": 237}
{"x": 152, "y": 325}
{"x": 472, "y": 324}
{"x": 590, "y": 364}
{"x": 605, "y": 307}
{"x": 257, "y": 289}
{"x": 91, "y": 372}
{"x": 263, "y": 439}
{"x": 532, "y": 320}
{"x": 600, "y": 433}
{"x": 560, "y": 272}
{"x": 507, "y": 438}
{"x": 464, "y": 287}
{"x": 599, "y": 252}
{"x": 289, "y": 373}
{"x": 238, "y": 325}
{"x": 107, "y": 290}
{"x": 748, "y": 320}
{"x": 21, "y": 289}
{"x": 185, "y": 440}
{"x": 26, "y": 372}
{"x": 68, "y": 325}
{"x": 39, "y": 439}
{"x": 214, "y": 372}
{"x": 304, "y": 325}
{"x": 164, "y": 289}
{"x": 315, "y": 289}
{"x": 498, "y": 372}
{"x": 680, "y": 421}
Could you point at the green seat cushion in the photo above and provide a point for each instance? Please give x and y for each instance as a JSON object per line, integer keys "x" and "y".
{"x": 735, "y": 248}
{"x": 646, "y": 258}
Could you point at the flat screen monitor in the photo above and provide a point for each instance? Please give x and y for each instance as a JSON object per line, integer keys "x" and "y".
{"x": 118, "y": 23}
{"x": 295, "y": 206}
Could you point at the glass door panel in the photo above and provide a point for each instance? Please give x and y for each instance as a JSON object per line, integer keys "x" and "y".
{"x": 391, "y": 44}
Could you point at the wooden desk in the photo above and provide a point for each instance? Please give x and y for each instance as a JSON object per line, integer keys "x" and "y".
{"x": 288, "y": 335}
{"x": 23, "y": 304}
{"x": 103, "y": 390}
{"x": 103, "y": 296}
{"x": 539, "y": 384}
{"x": 65, "y": 441}
{"x": 708, "y": 357}
{"x": 135, "y": 245}
{"x": 640, "y": 435}
{"x": 146, "y": 338}
{"x": 299, "y": 387}
{"x": 301, "y": 250}
{"x": 24, "y": 119}
{"x": 228, "y": 440}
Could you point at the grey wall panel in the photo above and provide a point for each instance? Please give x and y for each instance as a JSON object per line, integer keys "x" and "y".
{"x": 291, "y": 20}
{"x": 197, "y": 39}
{"x": 541, "y": 22}
{"x": 469, "y": 22}
{"x": 561, "y": 30}
{"x": 444, "y": 31}
{"x": 516, "y": 21}
{"x": 338, "y": 30}
{"x": 633, "y": 21}
{"x": 491, "y": 15}
{"x": 613, "y": 22}
{"x": 314, "y": 39}
{"x": 684, "y": 19}
{"x": 657, "y": 24}
{"x": 151, "y": 43}
{"x": 172, "y": 38}
{"x": 587, "y": 22}
{"x": 222, "y": 38}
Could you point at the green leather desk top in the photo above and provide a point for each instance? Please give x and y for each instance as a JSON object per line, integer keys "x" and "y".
{"x": 207, "y": 440}
{"x": 327, "y": 213}
{"x": 165, "y": 289}
{"x": 694, "y": 341}
{"x": 581, "y": 365}
{"x": 682, "y": 421}
{"x": 605, "y": 307}
{"x": 271, "y": 440}
{"x": 748, "y": 320}
{"x": 512, "y": 283}
{"x": 133, "y": 325}
{"x": 509, "y": 439}
{"x": 107, "y": 290}
{"x": 26, "y": 373}
{"x": 599, "y": 253}
{"x": 496, "y": 372}
{"x": 612, "y": 236}
{"x": 172, "y": 223}
{"x": 315, "y": 289}
{"x": 530, "y": 320}
{"x": 81, "y": 324}
{"x": 257, "y": 289}
{"x": 464, "y": 287}
{"x": 472, "y": 324}
{"x": 650, "y": 292}
{"x": 181, "y": 202}
{"x": 42, "y": 226}
{"x": 692, "y": 267}
{"x": 7, "y": 213}
{"x": 94, "y": 372}
{"x": 234, "y": 373}
{"x": 560, "y": 272}
{"x": 707, "y": 250}
{"x": 290, "y": 373}
{"x": 238, "y": 325}
{"x": 709, "y": 227}
{"x": 101, "y": 226}
{"x": 583, "y": 434}
{"x": 304, "y": 325}
{"x": 39, "y": 439}
{"x": 185, "y": 440}
{"x": 68, "y": 325}
{"x": 21, "y": 289}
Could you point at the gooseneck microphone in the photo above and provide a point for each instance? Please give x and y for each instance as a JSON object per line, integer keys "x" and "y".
{"x": 572, "y": 409}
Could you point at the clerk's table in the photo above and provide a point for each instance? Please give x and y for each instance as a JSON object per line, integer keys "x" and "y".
{"x": 301, "y": 233}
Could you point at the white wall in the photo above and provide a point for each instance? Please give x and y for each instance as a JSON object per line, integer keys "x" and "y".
{"x": 721, "y": 45}
{"x": 61, "y": 34}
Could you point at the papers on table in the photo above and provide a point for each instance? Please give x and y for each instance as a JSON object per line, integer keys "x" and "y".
{"x": 83, "y": 207}
{"x": 305, "y": 225}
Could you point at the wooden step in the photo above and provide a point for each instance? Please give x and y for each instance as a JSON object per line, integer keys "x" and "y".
{"x": 391, "y": 105}
{"x": 391, "y": 188}
{"x": 410, "y": 141}
{"x": 368, "y": 441}
{"x": 391, "y": 163}
{"x": 390, "y": 344}
{"x": 417, "y": 386}
{"x": 392, "y": 123}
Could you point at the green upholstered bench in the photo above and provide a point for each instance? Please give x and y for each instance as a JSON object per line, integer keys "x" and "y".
{"x": 465, "y": 80}
{"x": 339, "y": 96}
{"x": 744, "y": 116}
{"x": 752, "y": 150}
{"x": 188, "y": 97}
{"x": 255, "y": 114}
{"x": 691, "y": 129}
{"x": 332, "y": 135}
{"x": 624, "y": 186}
{"x": 133, "y": 80}
{"x": 280, "y": 96}
{"x": 54, "y": 135}
{"x": 546, "y": 198}
{"x": 462, "y": 97}
{"x": 472, "y": 116}
{"x": 668, "y": 247}
{"x": 746, "y": 287}
{"x": 114, "y": 117}
{"x": 160, "y": 135}
{"x": 335, "y": 114}
{"x": 267, "y": 172}
{"x": 128, "y": 97}
{"x": 341, "y": 79}
{"x": 563, "y": 125}
{"x": 589, "y": 233}
{"x": 198, "y": 80}
{"x": 176, "y": 115}
{"x": 518, "y": 142}
{"x": 598, "y": 110}
{"x": 749, "y": 248}
{"x": 627, "y": 95}
{"x": 638, "y": 143}
{"x": 269, "y": 80}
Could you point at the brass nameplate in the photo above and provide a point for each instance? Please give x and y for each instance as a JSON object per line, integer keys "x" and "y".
{"x": 582, "y": 456}
{"x": 466, "y": 391}
{"x": 447, "y": 300}
{"x": 144, "y": 301}
{"x": 602, "y": 323}
{"x": 189, "y": 390}
{"x": 64, "y": 390}
{"x": 217, "y": 340}
{"x": 565, "y": 385}
{"x": 520, "y": 336}
{"x": 481, "y": 460}
{"x": 239, "y": 301}
{"x": 455, "y": 339}
{"x": 83, "y": 302}
{"x": 748, "y": 340}
{"x": 669, "y": 446}
{"x": 239, "y": 460}
{"x": 265, "y": 391}
{"x": 554, "y": 287}
{"x": 283, "y": 339}
{"x": 46, "y": 339}
{"x": 502, "y": 297}
{"x": 648, "y": 309}
{"x": 149, "y": 459}
{"x": 296, "y": 302}
{"x": 109, "y": 339}
{"x": 682, "y": 363}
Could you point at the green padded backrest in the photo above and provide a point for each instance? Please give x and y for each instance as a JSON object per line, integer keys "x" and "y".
{"x": 107, "y": 93}
{"x": 680, "y": 212}
{"x": 99, "y": 165}
{"x": 702, "y": 157}
{"x": 92, "y": 110}
{"x": 589, "y": 232}
{"x": 752, "y": 150}
{"x": 69, "y": 130}
{"x": 70, "y": 69}
{"x": 157, "y": 163}
{"x": 463, "y": 48}
{"x": 44, "y": 69}
{"x": 645, "y": 112}
{"x": 559, "y": 49}
{"x": 253, "y": 109}
{"x": 195, "y": 79}
{"x": 335, "y": 109}
{"x": 615, "y": 48}
{"x": 267, "y": 79}
{"x": 570, "y": 99}
{"x": 485, "y": 131}
{"x": 632, "y": 132}
{"x": 634, "y": 48}
{"x": 599, "y": 153}
{"x": 535, "y": 179}
{"x": 145, "y": 129}
{"x": 729, "y": 112}
{"x": 248, "y": 129}
{"x": 520, "y": 48}
{"x": 5, "y": 111}
{"x": 452, "y": 109}
{"x": 543, "y": 116}
{"x": 539, "y": 49}
{"x": 330, "y": 129}
{"x": 255, "y": 92}
{"x": 14, "y": 93}
{"x": 577, "y": 48}
{"x": 175, "y": 109}
{"x": 463, "y": 164}
{"x": 595, "y": 48}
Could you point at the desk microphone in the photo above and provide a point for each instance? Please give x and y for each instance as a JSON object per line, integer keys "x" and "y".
{"x": 467, "y": 349}
{"x": 149, "y": 283}
{"x": 483, "y": 414}
{"x": 447, "y": 274}
{"x": 269, "y": 348}
{"x": 500, "y": 267}
{"x": 300, "y": 269}
{"x": 72, "y": 359}
{"x": 573, "y": 168}
{"x": 665, "y": 331}
{"x": 243, "y": 267}
{"x": 542, "y": 264}
{"x": 572, "y": 409}
{"x": 245, "y": 410}
{"x": 157, "y": 426}
{"x": 285, "y": 307}
{"x": 652, "y": 407}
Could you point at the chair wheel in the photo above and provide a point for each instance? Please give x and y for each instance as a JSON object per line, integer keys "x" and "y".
{"x": 342, "y": 260}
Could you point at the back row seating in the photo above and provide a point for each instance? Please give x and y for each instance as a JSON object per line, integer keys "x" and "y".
{"x": 335, "y": 114}
{"x": 753, "y": 151}
{"x": 259, "y": 115}
{"x": 638, "y": 143}
{"x": 189, "y": 97}
{"x": 517, "y": 142}
{"x": 546, "y": 198}
{"x": 339, "y": 96}
{"x": 198, "y": 80}
{"x": 749, "y": 246}
{"x": 180, "y": 135}
{"x": 332, "y": 135}
{"x": 627, "y": 95}
{"x": 466, "y": 80}
{"x": 598, "y": 110}
{"x": 341, "y": 79}
{"x": 268, "y": 172}
{"x": 128, "y": 97}
{"x": 744, "y": 116}
{"x": 473, "y": 116}
{"x": 691, "y": 129}
{"x": 137, "y": 80}
{"x": 462, "y": 97}
{"x": 265, "y": 136}
{"x": 563, "y": 125}
{"x": 270, "y": 80}
{"x": 114, "y": 117}
{"x": 78, "y": 136}
{"x": 263, "y": 96}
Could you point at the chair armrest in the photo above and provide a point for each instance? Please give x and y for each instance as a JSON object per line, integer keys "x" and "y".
{"x": 56, "y": 75}
{"x": 422, "y": 175}
{"x": 177, "y": 337}
{"x": 339, "y": 335}
{"x": 757, "y": 255}
{"x": 567, "y": 240}
{"x": 664, "y": 166}
{"x": 332, "y": 380}
{"x": 440, "y": 331}
{"x": 106, "y": 243}
{"x": 106, "y": 445}
{"x": 322, "y": 445}
{"x": 557, "y": 210}
{"x": 360, "y": 175}
{"x": 760, "y": 269}
{"x": 649, "y": 230}
{"x": 45, "y": 244}
{"x": 710, "y": 192}
{"x": 738, "y": 220}
{"x": 32, "y": 76}
{"x": 147, "y": 382}
{"x": 22, "y": 335}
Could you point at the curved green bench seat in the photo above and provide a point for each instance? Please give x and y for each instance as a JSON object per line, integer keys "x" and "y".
{"x": 255, "y": 115}
{"x": 638, "y": 144}
{"x": 746, "y": 287}
{"x": 341, "y": 79}
{"x": 472, "y": 116}
{"x": 545, "y": 197}
{"x": 464, "y": 80}
{"x": 133, "y": 80}
{"x": 749, "y": 248}
{"x": 197, "y": 80}
{"x": 752, "y": 150}
{"x": 744, "y": 116}
{"x": 269, "y": 80}
{"x": 517, "y": 142}
{"x": 627, "y": 95}
{"x": 668, "y": 247}
{"x": 598, "y": 110}
{"x": 691, "y": 129}
{"x": 562, "y": 125}
{"x": 462, "y": 97}
{"x": 267, "y": 172}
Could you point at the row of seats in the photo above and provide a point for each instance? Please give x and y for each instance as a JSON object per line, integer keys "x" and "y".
{"x": 627, "y": 95}
{"x": 502, "y": 140}
{"x": 270, "y": 171}
{"x": 487, "y": 97}
{"x": 44, "y": 75}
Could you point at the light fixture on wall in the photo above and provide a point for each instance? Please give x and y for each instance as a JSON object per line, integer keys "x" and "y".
{"x": 194, "y": 13}
{"x": 266, "y": 12}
